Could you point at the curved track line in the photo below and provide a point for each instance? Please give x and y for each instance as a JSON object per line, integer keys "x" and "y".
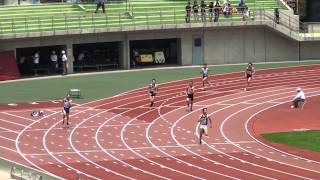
{"x": 102, "y": 99}
{"x": 24, "y": 157}
{"x": 283, "y": 152}
{"x": 228, "y": 140}
{"x": 172, "y": 134}
{"x": 79, "y": 153}
{"x": 233, "y": 144}
{"x": 52, "y": 154}
{"x": 154, "y": 161}
{"x": 208, "y": 159}
{"x": 105, "y": 151}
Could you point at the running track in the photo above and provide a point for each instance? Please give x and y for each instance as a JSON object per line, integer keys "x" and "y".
{"x": 122, "y": 138}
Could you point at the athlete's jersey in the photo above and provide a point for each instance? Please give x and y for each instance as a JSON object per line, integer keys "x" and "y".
{"x": 204, "y": 119}
{"x": 66, "y": 103}
{"x": 190, "y": 90}
{"x": 153, "y": 88}
{"x": 249, "y": 70}
{"x": 205, "y": 72}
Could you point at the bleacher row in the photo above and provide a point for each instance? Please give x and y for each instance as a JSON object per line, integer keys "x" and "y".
{"x": 53, "y": 17}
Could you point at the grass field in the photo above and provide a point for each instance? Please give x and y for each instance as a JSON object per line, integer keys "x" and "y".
{"x": 97, "y": 86}
{"x": 300, "y": 139}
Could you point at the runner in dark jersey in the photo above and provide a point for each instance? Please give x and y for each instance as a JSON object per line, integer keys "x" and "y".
{"x": 249, "y": 74}
{"x": 203, "y": 121}
{"x": 153, "y": 88}
{"x": 190, "y": 93}
{"x": 67, "y": 103}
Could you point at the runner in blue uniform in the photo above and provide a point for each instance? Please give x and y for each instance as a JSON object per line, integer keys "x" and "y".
{"x": 153, "y": 88}
{"x": 67, "y": 103}
{"x": 205, "y": 76}
{"x": 249, "y": 74}
{"x": 190, "y": 93}
{"x": 204, "y": 120}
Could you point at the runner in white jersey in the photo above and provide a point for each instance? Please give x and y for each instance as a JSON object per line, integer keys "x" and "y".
{"x": 203, "y": 121}
{"x": 190, "y": 93}
{"x": 67, "y": 103}
{"x": 249, "y": 74}
{"x": 153, "y": 88}
{"x": 205, "y": 76}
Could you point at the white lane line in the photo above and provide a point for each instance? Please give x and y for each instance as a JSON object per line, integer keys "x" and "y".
{"x": 134, "y": 148}
{"x": 79, "y": 153}
{"x": 218, "y": 75}
{"x": 228, "y": 140}
{"x": 280, "y": 151}
{"x": 20, "y": 117}
{"x": 9, "y": 149}
{"x": 100, "y": 146}
{"x": 203, "y": 157}
{"x": 212, "y": 113}
{"x": 57, "y": 159}
{"x": 24, "y": 157}
{"x": 281, "y": 83}
{"x": 9, "y": 139}
{"x": 151, "y": 161}
{"x": 170, "y": 89}
{"x": 8, "y": 130}
{"x": 10, "y": 122}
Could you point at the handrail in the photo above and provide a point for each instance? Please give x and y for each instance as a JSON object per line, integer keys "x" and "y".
{"x": 121, "y": 19}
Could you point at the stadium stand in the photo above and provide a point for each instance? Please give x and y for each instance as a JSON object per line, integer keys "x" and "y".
{"x": 54, "y": 17}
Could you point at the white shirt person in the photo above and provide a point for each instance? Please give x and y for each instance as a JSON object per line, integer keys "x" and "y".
{"x": 300, "y": 97}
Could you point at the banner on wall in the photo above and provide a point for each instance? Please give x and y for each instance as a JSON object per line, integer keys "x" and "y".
{"x": 8, "y": 66}
{"x": 159, "y": 57}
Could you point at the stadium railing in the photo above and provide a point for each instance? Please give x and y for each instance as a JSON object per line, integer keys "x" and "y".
{"x": 85, "y": 20}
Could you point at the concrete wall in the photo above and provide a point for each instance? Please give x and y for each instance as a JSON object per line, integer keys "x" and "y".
{"x": 248, "y": 44}
{"x": 310, "y": 50}
{"x": 221, "y": 45}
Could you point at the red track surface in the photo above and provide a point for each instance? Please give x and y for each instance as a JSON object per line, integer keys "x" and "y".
{"x": 122, "y": 138}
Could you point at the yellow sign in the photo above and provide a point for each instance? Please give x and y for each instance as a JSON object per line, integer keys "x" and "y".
{"x": 146, "y": 58}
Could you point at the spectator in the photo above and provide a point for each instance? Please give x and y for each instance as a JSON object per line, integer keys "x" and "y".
{"x": 241, "y": 6}
{"x": 100, "y": 3}
{"x": 203, "y": 11}
{"x": 195, "y": 11}
{"x": 36, "y": 61}
{"x": 241, "y": 3}
{"x": 245, "y": 13}
{"x": 64, "y": 63}
{"x": 211, "y": 7}
{"x": 217, "y": 8}
{"x": 227, "y": 10}
{"x": 300, "y": 97}
{"x": 54, "y": 62}
{"x": 188, "y": 12}
{"x": 277, "y": 15}
{"x": 226, "y": 2}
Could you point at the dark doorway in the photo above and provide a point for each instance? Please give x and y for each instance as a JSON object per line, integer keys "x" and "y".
{"x": 96, "y": 56}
